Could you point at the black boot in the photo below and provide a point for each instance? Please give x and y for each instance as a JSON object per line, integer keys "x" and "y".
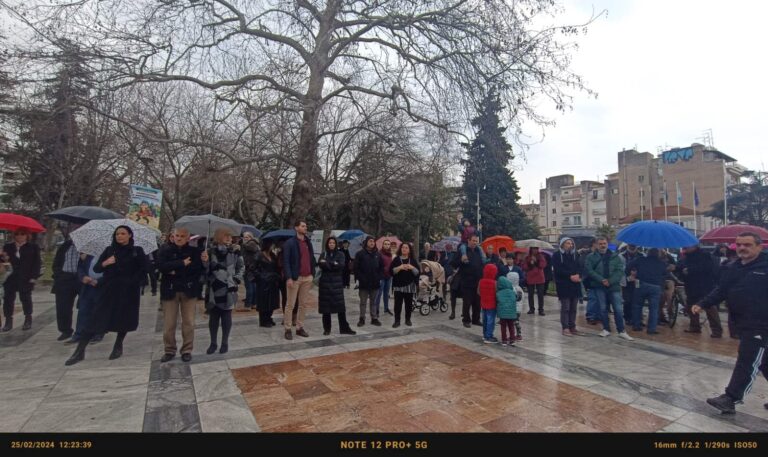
{"x": 8, "y": 325}
{"x": 117, "y": 351}
{"x": 79, "y": 353}
{"x": 27, "y": 323}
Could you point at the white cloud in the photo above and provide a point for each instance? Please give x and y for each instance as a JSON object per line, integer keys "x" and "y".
{"x": 665, "y": 71}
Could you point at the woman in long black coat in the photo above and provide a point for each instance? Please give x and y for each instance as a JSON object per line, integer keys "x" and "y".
{"x": 331, "y": 287}
{"x": 267, "y": 285}
{"x": 125, "y": 268}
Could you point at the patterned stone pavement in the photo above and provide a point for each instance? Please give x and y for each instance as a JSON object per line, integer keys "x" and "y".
{"x": 434, "y": 376}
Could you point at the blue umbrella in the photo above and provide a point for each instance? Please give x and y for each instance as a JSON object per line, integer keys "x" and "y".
{"x": 350, "y": 235}
{"x": 249, "y": 228}
{"x": 657, "y": 234}
{"x": 279, "y": 235}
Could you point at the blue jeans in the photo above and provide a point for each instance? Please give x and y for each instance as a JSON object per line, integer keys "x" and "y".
{"x": 653, "y": 293}
{"x": 250, "y": 293}
{"x": 618, "y": 309}
{"x": 489, "y": 322}
{"x": 593, "y": 306}
{"x": 385, "y": 285}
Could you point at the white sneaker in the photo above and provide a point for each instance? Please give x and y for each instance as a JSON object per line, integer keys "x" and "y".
{"x": 604, "y": 333}
{"x": 625, "y": 335}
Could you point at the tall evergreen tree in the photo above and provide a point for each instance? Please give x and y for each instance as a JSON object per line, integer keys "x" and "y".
{"x": 486, "y": 170}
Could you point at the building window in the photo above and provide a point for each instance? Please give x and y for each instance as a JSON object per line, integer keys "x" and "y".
{"x": 554, "y": 210}
{"x": 554, "y": 223}
{"x": 615, "y": 191}
{"x": 576, "y": 220}
{"x": 566, "y": 221}
{"x": 661, "y": 201}
{"x": 597, "y": 221}
{"x": 641, "y": 178}
{"x": 642, "y": 208}
{"x": 594, "y": 195}
{"x": 554, "y": 198}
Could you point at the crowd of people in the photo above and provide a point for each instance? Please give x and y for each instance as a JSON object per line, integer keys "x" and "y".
{"x": 490, "y": 284}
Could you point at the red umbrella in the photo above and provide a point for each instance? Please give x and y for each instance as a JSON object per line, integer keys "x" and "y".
{"x": 499, "y": 241}
{"x": 728, "y": 233}
{"x": 9, "y": 221}
{"x": 393, "y": 239}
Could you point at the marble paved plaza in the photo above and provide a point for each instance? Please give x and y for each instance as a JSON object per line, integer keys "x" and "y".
{"x": 435, "y": 376}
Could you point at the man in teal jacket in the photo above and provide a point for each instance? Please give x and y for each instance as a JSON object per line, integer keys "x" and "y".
{"x": 605, "y": 269}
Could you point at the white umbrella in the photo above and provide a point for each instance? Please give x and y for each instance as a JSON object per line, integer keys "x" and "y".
{"x": 533, "y": 243}
{"x": 95, "y": 236}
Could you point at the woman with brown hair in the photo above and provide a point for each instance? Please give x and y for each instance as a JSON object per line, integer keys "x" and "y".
{"x": 405, "y": 274}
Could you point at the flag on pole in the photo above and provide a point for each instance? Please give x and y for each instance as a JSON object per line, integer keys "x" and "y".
{"x": 695, "y": 196}
{"x": 679, "y": 194}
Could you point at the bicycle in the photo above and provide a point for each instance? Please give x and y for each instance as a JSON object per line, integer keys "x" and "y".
{"x": 678, "y": 307}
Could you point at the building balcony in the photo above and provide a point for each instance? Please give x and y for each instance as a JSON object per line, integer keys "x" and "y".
{"x": 570, "y": 197}
{"x": 571, "y": 211}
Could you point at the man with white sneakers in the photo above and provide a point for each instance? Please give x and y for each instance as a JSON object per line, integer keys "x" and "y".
{"x": 605, "y": 269}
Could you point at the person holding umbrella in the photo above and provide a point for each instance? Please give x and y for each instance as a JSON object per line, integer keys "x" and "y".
{"x": 181, "y": 266}
{"x": 125, "y": 268}
{"x": 24, "y": 257}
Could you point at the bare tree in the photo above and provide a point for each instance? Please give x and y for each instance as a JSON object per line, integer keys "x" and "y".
{"x": 428, "y": 59}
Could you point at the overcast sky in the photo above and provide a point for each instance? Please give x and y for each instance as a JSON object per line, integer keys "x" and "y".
{"x": 665, "y": 71}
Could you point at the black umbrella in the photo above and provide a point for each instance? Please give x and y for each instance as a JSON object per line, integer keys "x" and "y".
{"x": 83, "y": 214}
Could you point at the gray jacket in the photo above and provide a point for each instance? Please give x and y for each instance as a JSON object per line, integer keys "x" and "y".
{"x": 225, "y": 273}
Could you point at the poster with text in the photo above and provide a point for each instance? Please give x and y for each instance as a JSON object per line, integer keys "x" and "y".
{"x": 145, "y": 206}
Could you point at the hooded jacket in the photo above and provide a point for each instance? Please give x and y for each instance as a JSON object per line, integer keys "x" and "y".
{"x": 487, "y": 287}
{"x": 514, "y": 278}
{"x": 506, "y": 299}
{"x": 369, "y": 267}
{"x": 745, "y": 290}
{"x": 564, "y": 265}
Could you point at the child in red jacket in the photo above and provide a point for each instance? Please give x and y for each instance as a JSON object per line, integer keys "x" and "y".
{"x": 486, "y": 289}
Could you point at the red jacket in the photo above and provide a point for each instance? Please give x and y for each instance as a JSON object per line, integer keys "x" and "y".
{"x": 534, "y": 272}
{"x": 487, "y": 287}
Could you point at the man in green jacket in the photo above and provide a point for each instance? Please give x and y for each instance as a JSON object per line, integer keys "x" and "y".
{"x": 605, "y": 269}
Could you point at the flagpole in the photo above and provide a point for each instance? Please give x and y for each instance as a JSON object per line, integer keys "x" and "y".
{"x": 665, "y": 200}
{"x": 679, "y": 197}
{"x": 725, "y": 196}
{"x": 642, "y": 200}
{"x": 695, "y": 203}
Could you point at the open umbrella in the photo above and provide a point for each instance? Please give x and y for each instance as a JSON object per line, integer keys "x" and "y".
{"x": 392, "y": 239}
{"x": 442, "y": 245}
{"x": 93, "y": 237}
{"x": 356, "y": 244}
{"x": 657, "y": 234}
{"x": 533, "y": 243}
{"x": 728, "y": 233}
{"x": 9, "y": 221}
{"x": 249, "y": 228}
{"x": 499, "y": 241}
{"x": 207, "y": 224}
{"x": 83, "y": 214}
{"x": 350, "y": 234}
{"x": 279, "y": 235}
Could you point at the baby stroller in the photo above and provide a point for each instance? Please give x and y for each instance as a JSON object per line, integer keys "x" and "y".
{"x": 428, "y": 297}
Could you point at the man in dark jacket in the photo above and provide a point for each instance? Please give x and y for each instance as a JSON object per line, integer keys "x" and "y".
{"x": 26, "y": 263}
{"x": 744, "y": 287}
{"x": 470, "y": 272}
{"x": 698, "y": 270}
{"x": 65, "y": 285}
{"x": 181, "y": 266}
{"x": 567, "y": 274}
{"x": 648, "y": 274}
{"x": 369, "y": 271}
{"x": 299, "y": 268}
